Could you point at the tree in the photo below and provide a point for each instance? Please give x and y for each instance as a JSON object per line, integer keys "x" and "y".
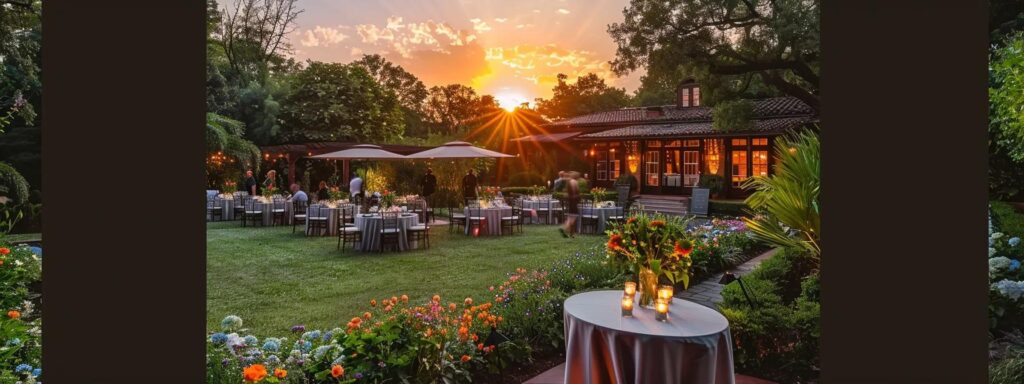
{"x": 587, "y": 95}
{"x": 725, "y": 43}
{"x": 410, "y": 90}
{"x": 1006, "y": 97}
{"x": 450, "y": 108}
{"x": 20, "y": 54}
{"x": 331, "y": 101}
{"x": 254, "y": 35}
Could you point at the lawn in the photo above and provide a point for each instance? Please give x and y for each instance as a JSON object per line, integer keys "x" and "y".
{"x": 274, "y": 279}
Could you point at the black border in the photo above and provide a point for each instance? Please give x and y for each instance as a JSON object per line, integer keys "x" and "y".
{"x": 123, "y": 137}
{"x": 904, "y": 170}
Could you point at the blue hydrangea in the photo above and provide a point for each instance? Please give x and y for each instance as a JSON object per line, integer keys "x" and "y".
{"x": 218, "y": 338}
{"x": 319, "y": 352}
{"x": 311, "y": 335}
{"x": 273, "y": 360}
{"x": 13, "y": 342}
{"x": 251, "y": 340}
{"x": 1014, "y": 265}
{"x": 303, "y": 345}
{"x": 1014, "y": 241}
{"x": 22, "y": 368}
{"x": 36, "y": 250}
{"x": 272, "y": 344}
{"x": 1011, "y": 289}
{"x": 231, "y": 322}
{"x": 36, "y": 372}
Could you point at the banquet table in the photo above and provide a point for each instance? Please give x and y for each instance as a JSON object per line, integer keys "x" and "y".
{"x": 602, "y": 216}
{"x": 268, "y": 211}
{"x": 493, "y": 215}
{"x": 602, "y": 346}
{"x": 332, "y": 214}
{"x": 227, "y": 205}
{"x": 371, "y": 223}
{"x": 532, "y": 209}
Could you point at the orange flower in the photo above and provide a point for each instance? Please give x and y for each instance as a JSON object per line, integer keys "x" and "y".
{"x": 367, "y": 315}
{"x": 405, "y": 298}
{"x": 357, "y": 320}
{"x": 337, "y": 370}
{"x": 466, "y": 358}
{"x": 254, "y": 373}
{"x": 615, "y": 242}
{"x": 463, "y": 333}
{"x": 373, "y": 303}
{"x": 480, "y": 346}
{"x": 657, "y": 223}
{"x": 280, "y": 373}
{"x": 5, "y": 250}
{"x": 469, "y": 301}
{"x": 631, "y": 220}
{"x": 394, "y": 300}
{"x": 683, "y": 247}
{"x": 436, "y": 298}
{"x": 476, "y": 338}
{"x": 451, "y": 306}
{"x": 13, "y": 314}
{"x": 387, "y": 309}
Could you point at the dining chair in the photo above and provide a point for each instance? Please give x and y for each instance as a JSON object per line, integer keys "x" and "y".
{"x": 456, "y": 218}
{"x": 253, "y": 211}
{"x": 299, "y": 213}
{"x": 238, "y": 205}
{"x": 588, "y": 217}
{"x": 476, "y": 219}
{"x": 319, "y": 221}
{"x": 348, "y": 234}
{"x": 514, "y": 220}
{"x": 420, "y": 234}
{"x": 390, "y": 233}
{"x": 277, "y": 211}
{"x": 214, "y": 210}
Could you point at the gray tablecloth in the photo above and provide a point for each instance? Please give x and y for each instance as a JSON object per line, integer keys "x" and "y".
{"x": 602, "y": 216}
{"x": 370, "y": 225}
{"x": 268, "y": 212}
{"x": 540, "y": 211}
{"x": 332, "y": 216}
{"x": 493, "y": 216}
{"x": 694, "y": 346}
{"x": 227, "y": 206}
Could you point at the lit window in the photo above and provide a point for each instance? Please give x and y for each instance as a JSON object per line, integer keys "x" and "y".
{"x": 615, "y": 170}
{"x": 685, "y": 97}
{"x": 651, "y": 168}
{"x": 760, "y": 162}
{"x": 761, "y": 141}
{"x": 653, "y": 143}
{"x": 696, "y": 96}
{"x": 739, "y": 167}
{"x": 692, "y": 143}
{"x": 691, "y": 169}
{"x": 739, "y": 142}
{"x": 602, "y": 165}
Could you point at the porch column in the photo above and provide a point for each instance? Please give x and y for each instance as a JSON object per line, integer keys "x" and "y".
{"x": 345, "y": 170}
{"x": 292, "y": 159}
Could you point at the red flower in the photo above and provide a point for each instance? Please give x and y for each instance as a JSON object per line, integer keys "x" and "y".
{"x": 337, "y": 370}
{"x": 615, "y": 242}
{"x": 684, "y": 247}
{"x": 466, "y": 358}
{"x": 4, "y": 250}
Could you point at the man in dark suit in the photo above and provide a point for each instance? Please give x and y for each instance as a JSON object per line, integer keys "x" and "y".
{"x": 469, "y": 185}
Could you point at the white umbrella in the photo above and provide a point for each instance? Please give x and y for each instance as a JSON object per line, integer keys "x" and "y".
{"x": 456, "y": 149}
{"x": 362, "y": 152}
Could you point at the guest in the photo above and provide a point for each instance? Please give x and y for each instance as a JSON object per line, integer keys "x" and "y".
{"x": 469, "y": 185}
{"x": 429, "y": 183}
{"x": 271, "y": 180}
{"x": 355, "y": 187}
{"x": 298, "y": 194}
{"x": 250, "y": 183}
{"x": 572, "y": 191}
{"x": 323, "y": 192}
{"x": 559, "y": 182}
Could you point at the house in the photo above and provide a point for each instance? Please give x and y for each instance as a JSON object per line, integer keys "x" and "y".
{"x": 669, "y": 148}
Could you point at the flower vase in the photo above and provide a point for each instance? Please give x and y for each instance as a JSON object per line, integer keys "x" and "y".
{"x": 648, "y": 287}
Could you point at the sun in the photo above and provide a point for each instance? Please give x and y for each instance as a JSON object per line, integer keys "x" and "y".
{"x": 510, "y": 100}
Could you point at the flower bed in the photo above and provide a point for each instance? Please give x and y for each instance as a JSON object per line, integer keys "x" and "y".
{"x": 20, "y": 322}
{"x": 1006, "y": 294}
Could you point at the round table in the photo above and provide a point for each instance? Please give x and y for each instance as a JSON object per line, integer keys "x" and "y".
{"x": 533, "y": 210}
{"x": 227, "y": 206}
{"x": 332, "y": 215}
{"x": 602, "y": 346}
{"x": 370, "y": 224}
{"x": 267, "y": 207}
{"x": 493, "y": 216}
{"x": 602, "y": 216}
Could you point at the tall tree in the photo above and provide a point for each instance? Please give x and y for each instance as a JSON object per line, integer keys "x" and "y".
{"x": 410, "y": 90}
{"x": 725, "y": 42}
{"x": 332, "y": 101}
{"x": 587, "y": 95}
{"x": 452, "y": 107}
{"x": 254, "y": 34}
{"x": 21, "y": 92}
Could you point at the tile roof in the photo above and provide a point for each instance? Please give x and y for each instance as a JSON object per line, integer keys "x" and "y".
{"x": 548, "y": 137}
{"x": 764, "y": 108}
{"x": 694, "y": 128}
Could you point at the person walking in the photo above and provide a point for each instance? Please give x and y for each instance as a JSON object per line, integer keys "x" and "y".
{"x": 572, "y": 201}
{"x": 355, "y": 187}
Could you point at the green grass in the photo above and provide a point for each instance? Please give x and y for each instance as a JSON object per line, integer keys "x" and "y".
{"x": 274, "y": 279}
{"x": 1009, "y": 220}
{"x": 16, "y": 237}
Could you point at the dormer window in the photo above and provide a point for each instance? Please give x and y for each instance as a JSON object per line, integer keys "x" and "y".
{"x": 689, "y": 94}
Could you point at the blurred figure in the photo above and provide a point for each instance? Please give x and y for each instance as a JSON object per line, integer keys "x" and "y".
{"x": 322, "y": 192}
{"x": 271, "y": 181}
{"x": 355, "y": 187}
{"x": 572, "y": 201}
{"x": 429, "y": 183}
{"x": 469, "y": 185}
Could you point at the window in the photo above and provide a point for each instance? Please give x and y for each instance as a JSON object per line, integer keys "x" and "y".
{"x": 739, "y": 167}
{"x": 696, "y": 96}
{"x": 673, "y": 143}
{"x": 739, "y": 142}
{"x": 651, "y": 168}
{"x": 653, "y": 143}
{"x": 615, "y": 170}
{"x": 689, "y": 97}
{"x": 691, "y": 168}
{"x": 684, "y": 97}
{"x": 760, "y": 163}
{"x": 671, "y": 177}
{"x": 714, "y": 156}
{"x": 759, "y": 141}
{"x": 602, "y": 165}
{"x": 692, "y": 143}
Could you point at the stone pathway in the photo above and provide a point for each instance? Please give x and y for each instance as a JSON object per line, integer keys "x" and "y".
{"x": 709, "y": 293}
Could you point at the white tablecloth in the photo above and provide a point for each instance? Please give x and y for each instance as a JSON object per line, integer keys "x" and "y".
{"x": 493, "y": 216}
{"x": 371, "y": 224}
{"x": 534, "y": 214}
{"x": 694, "y": 346}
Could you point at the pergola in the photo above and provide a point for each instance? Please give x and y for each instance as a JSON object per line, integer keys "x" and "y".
{"x": 293, "y": 152}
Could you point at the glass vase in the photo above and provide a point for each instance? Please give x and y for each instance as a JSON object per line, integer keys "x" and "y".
{"x": 648, "y": 287}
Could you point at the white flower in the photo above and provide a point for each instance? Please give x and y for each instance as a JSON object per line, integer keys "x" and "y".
{"x": 18, "y": 263}
{"x": 1011, "y": 289}
{"x": 998, "y": 264}
{"x": 997, "y": 235}
{"x": 991, "y": 251}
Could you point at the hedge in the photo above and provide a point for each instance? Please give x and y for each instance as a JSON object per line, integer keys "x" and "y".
{"x": 728, "y": 208}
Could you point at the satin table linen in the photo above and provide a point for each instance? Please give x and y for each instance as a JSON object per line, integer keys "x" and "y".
{"x": 693, "y": 347}
{"x": 370, "y": 224}
{"x": 493, "y": 215}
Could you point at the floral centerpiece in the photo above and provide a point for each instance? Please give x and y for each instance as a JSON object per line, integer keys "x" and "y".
{"x": 230, "y": 187}
{"x": 487, "y": 193}
{"x": 387, "y": 199}
{"x": 269, "y": 192}
{"x": 336, "y": 194}
{"x": 599, "y": 194}
{"x": 651, "y": 247}
{"x": 536, "y": 190}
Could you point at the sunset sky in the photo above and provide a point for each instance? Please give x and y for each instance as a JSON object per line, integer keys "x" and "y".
{"x": 510, "y": 49}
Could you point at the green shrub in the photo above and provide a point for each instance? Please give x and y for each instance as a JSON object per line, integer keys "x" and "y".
{"x": 1007, "y": 371}
{"x": 777, "y": 338}
{"x": 714, "y": 183}
{"x": 1007, "y": 218}
{"x": 531, "y": 308}
{"x": 583, "y": 271}
{"x": 12, "y": 185}
{"x": 735, "y": 208}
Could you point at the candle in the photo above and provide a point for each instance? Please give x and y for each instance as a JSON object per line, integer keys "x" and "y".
{"x": 665, "y": 293}
{"x": 630, "y": 288}
{"x": 627, "y": 306}
{"x": 661, "y": 310}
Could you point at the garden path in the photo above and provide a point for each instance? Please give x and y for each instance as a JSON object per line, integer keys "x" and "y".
{"x": 709, "y": 293}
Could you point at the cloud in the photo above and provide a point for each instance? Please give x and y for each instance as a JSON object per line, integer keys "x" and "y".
{"x": 500, "y": 19}
{"x": 563, "y": 11}
{"x": 458, "y": 64}
{"x": 480, "y": 26}
{"x": 322, "y": 37}
{"x": 405, "y": 38}
{"x": 355, "y": 51}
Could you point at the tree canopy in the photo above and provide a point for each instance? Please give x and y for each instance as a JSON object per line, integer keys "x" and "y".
{"x": 729, "y": 45}
{"x": 587, "y": 95}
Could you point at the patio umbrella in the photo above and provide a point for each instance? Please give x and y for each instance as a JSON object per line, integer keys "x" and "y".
{"x": 361, "y": 152}
{"x": 454, "y": 150}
